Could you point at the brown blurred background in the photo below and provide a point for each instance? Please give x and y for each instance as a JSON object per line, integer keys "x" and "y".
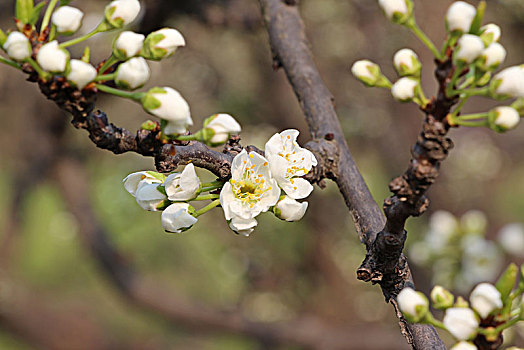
{"x": 60, "y": 194}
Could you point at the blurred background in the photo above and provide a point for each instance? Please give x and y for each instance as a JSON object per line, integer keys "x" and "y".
{"x": 62, "y": 202}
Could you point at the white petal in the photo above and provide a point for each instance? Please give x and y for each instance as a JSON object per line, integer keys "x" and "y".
{"x": 243, "y": 227}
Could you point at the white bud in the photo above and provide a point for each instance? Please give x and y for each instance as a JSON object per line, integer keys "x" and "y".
{"x": 52, "y": 58}
{"x": 511, "y": 238}
{"x": 81, "y": 73}
{"x": 404, "y": 89}
{"x": 133, "y": 181}
{"x": 460, "y": 15}
{"x": 509, "y": 82}
{"x": 484, "y": 299}
{"x": 441, "y": 297}
{"x": 182, "y": 186}
{"x": 122, "y": 12}
{"x": 289, "y": 209}
{"x": 406, "y": 62}
{"x": 67, "y": 19}
{"x": 395, "y": 9}
{"x": 176, "y": 218}
{"x": 222, "y": 125}
{"x": 461, "y": 322}
{"x": 464, "y": 345}
{"x": 469, "y": 48}
{"x": 167, "y": 103}
{"x": 149, "y": 197}
{"x": 366, "y": 71}
{"x": 503, "y": 118}
{"x": 491, "y": 32}
{"x": 17, "y": 46}
{"x": 492, "y": 56}
{"x": 133, "y": 74}
{"x": 162, "y": 43}
{"x": 242, "y": 226}
{"x": 414, "y": 305}
{"x": 127, "y": 45}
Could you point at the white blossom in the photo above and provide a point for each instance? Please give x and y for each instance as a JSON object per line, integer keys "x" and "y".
{"x": 505, "y": 118}
{"x": 474, "y": 221}
{"x": 222, "y": 125}
{"x": 441, "y": 297}
{"x": 122, "y": 12}
{"x": 162, "y": 43}
{"x": 404, "y": 89}
{"x": 463, "y": 345}
{"x": 469, "y": 48}
{"x": 481, "y": 261}
{"x": 511, "y": 238}
{"x": 167, "y": 103}
{"x": 289, "y": 209}
{"x": 52, "y": 58}
{"x": 406, "y": 62}
{"x": 176, "y": 218}
{"x": 67, "y": 19}
{"x": 460, "y": 15}
{"x": 17, "y": 46}
{"x": 133, "y": 74}
{"x": 484, "y": 299}
{"x": 128, "y": 44}
{"x": 492, "y": 56}
{"x": 133, "y": 181}
{"x": 509, "y": 82}
{"x": 81, "y": 73}
{"x": 366, "y": 71}
{"x": 149, "y": 197}
{"x": 394, "y": 8}
{"x": 288, "y": 162}
{"x": 182, "y": 186}
{"x": 251, "y": 191}
{"x": 461, "y": 322}
{"x": 414, "y": 305}
{"x": 492, "y": 30}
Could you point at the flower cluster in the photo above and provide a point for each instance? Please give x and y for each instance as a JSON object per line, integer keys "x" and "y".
{"x": 491, "y": 309}
{"x": 259, "y": 183}
{"x": 475, "y": 53}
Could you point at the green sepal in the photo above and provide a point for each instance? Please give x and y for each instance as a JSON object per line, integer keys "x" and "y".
{"x": 150, "y": 51}
{"x": 493, "y": 87}
{"x": 209, "y": 119}
{"x": 149, "y": 102}
{"x": 402, "y": 19}
{"x": 277, "y": 212}
{"x": 192, "y": 211}
{"x": 3, "y": 38}
{"x": 24, "y": 10}
{"x": 110, "y": 23}
{"x": 149, "y": 125}
{"x": 119, "y": 54}
{"x": 86, "y": 57}
{"x": 164, "y": 205}
{"x": 442, "y": 300}
{"x": 507, "y": 281}
{"x": 161, "y": 188}
{"x": 492, "y": 116}
{"x": 461, "y": 302}
{"x": 158, "y": 176}
{"x": 484, "y": 79}
{"x": 477, "y": 21}
{"x": 405, "y": 71}
{"x": 519, "y": 106}
{"x": 487, "y": 38}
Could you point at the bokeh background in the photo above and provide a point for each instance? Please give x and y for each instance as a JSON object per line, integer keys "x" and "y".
{"x": 56, "y": 187}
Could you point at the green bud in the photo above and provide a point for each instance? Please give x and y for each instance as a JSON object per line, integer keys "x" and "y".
{"x": 149, "y": 125}
{"x": 441, "y": 298}
{"x": 461, "y": 302}
{"x": 507, "y": 281}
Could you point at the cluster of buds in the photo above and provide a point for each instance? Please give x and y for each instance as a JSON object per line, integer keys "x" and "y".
{"x": 475, "y": 53}
{"x": 490, "y": 310}
{"x": 258, "y": 184}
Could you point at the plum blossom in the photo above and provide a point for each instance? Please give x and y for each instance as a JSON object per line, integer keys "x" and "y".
{"x": 222, "y": 126}
{"x": 133, "y": 181}
{"x": 176, "y": 218}
{"x": 289, "y": 209}
{"x": 414, "y": 305}
{"x": 182, "y": 186}
{"x": 484, "y": 299}
{"x": 461, "y": 322}
{"x": 67, "y": 19}
{"x": 17, "y": 46}
{"x": 167, "y": 103}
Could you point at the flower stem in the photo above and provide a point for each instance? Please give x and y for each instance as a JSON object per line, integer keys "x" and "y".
{"x": 37, "y": 68}
{"x": 429, "y": 319}
{"x": 106, "y": 77}
{"x": 47, "y": 15}
{"x": 459, "y": 107}
{"x": 10, "y": 63}
{"x": 135, "y": 96}
{"x": 473, "y": 116}
{"x": 206, "y": 197}
{"x": 185, "y": 137}
{"x": 207, "y": 208}
{"x": 82, "y": 38}
{"x": 108, "y": 63}
{"x": 501, "y": 327}
{"x": 471, "y": 92}
{"x": 424, "y": 38}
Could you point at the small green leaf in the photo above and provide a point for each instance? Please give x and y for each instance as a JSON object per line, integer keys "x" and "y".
{"x": 86, "y": 57}
{"x": 37, "y": 11}
{"x": 149, "y": 125}
{"x": 507, "y": 281}
{"x": 477, "y": 21}
{"x": 24, "y": 10}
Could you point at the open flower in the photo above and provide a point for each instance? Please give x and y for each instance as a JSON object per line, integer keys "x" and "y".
{"x": 133, "y": 181}
{"x": 133, "y": 73}
{"x": 149, "y": 197}
{"x": 460, "y": 16}
{"x": 67, "y": 19}
{"x": 121, "y": 12}
{"x": 414, "y": 305}
{"x": 167, "y": 103}
{"x": 484, "y": 299}
{"x": 81, "y": 73}
{"x": 288, "y": 162}
{"x": 182, "y": 186}
{"x": 127, "y": 45}
{"x": 17, "y": 46}
{"x": 219, "y": 127}
{"x": 251, "y": 191}
{"x": 461, "y": 322}
{"x": 52, "y": 58}
{"x": 289, "y": 209}
{"x": 176, "y": 218}
{"x": 162, "y": 43}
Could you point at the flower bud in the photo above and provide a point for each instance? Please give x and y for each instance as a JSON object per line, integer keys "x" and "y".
{"x": 490, "y": 33}
{"x": 464, "y": 345}
{"x": 504, "y": 118}
{"x": 460, "y": 16}
{"x": 127, "y": 45}
{"x": 182, "y": 186}
{"x": 404, "y": 89}
{"x": 511, "y": 238}
{"x": 218, "y": 128}
{"x": 484, "y": 299}
{"x": 414, "y": 305}
{"x": 441, "y": 298}
{"x": 176, "y": 218}
{"x": 508, "y": 83}
{"x": 289, "y": 209}
{"x": 133, "y": 181}
{"x": 17, "y": 46}
{"x": 121, "y": 12}
{"x": 81, "y": 73}
{"x": 162, "y": 43}
{"x": 167, "y": 103}
{"x": 461, "y": 323}
{"x": 506, "y": 281}
{"x": 133, "y": 74}
{"x": 242, "y": 226}
{"x": 149, "y": 197}
{"x": 397, "y": 11}
{"x": 67, "y": 19}
{"x": 406, "y": 62}
{"x": 469, "y": 47}
{"x": 52, "y": 58}
{"x": 368, "y": 73}
{"x": 492, "y": 57}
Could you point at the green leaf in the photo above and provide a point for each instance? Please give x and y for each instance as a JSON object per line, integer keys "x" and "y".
{"x": 507, "y": 281}
{"x": 37, "y": 11}
{"x": 477, "y": 21}
{"x": 24, "y": 10}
